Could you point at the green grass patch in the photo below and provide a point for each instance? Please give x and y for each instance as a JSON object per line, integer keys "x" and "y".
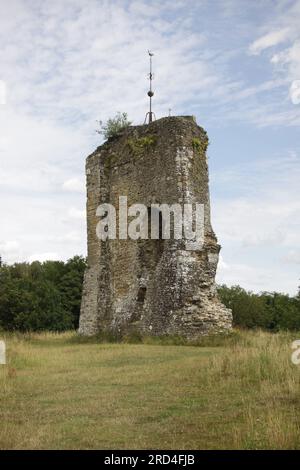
{"x": 62, "y": 391}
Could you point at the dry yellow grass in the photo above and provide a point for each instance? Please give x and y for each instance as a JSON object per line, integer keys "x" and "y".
{"x": 58, "y": 392}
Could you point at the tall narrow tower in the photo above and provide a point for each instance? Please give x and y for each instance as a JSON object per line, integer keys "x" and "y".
{"x": 161, "y": 286}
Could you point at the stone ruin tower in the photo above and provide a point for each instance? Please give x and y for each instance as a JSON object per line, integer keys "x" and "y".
{"x": 155, "y": 287}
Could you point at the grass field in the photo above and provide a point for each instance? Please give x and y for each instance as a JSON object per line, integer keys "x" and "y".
{"x": 59, "y": 392}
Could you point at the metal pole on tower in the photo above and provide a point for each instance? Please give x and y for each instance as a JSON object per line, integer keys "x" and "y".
{"x": 150, "y": 115}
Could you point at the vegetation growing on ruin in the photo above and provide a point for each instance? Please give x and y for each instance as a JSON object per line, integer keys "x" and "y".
{"x": 114, "y": 126}
{"x": 199, "y": 145}
{"x": 137, "y": 146}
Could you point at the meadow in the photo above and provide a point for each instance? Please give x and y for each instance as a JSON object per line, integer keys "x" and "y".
{"x": 59, "y": 391}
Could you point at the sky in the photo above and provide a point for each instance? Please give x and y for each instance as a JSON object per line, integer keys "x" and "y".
{"x": 234, "y": 64}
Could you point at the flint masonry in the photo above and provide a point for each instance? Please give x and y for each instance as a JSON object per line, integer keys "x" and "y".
{"x": 155, "y": 287}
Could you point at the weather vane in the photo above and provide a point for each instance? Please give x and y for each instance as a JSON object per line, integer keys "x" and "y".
{"x": 150, "y": 115}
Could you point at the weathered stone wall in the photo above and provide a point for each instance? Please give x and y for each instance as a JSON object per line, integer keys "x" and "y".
{"x": 154, "y": 286}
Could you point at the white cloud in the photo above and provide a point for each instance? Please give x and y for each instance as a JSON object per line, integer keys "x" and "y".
{"x": 9, "y": 246}
{"x": 261, "y": 229}
{"x": 73, "y": 236}
{"x": 284, "y": 38}
{"x": 293, "y": 257}
{"x": 270, "y": 39}
{"x": 74, "y": 184}
{"x": 256, "y": 278}
{"x": 76, "y": 213}
{"x": 2, "y": 92}
{"x": 10, "y": 250}
{"x": 76, "y": 67}
{"x": 295, "y": 92}
{"x": 43, "y": 257}
{"x": 288, "y": 60}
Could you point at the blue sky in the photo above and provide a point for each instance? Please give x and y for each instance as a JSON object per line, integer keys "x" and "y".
{"x": 234, "y": 64}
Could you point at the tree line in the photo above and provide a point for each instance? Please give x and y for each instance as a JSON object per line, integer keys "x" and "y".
{"x": 267, "y": 310}
{"x": 41, "y": 296}
{"x": 46, "y": 296}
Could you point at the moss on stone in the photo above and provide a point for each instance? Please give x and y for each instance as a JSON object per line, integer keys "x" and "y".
{"x": 138, "y": 145}
{"x": 199, "y": 145}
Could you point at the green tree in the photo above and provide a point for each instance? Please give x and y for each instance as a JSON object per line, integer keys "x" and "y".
{"x": 41, "y": 296}
{"x": 269, "y": 310}
{"x": 71, "y": 287}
